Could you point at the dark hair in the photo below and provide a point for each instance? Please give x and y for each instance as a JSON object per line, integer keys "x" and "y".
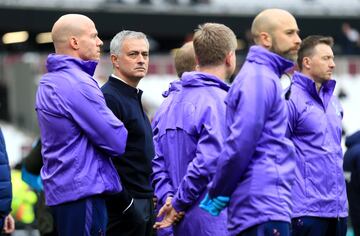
{"x": 309, "y": 43}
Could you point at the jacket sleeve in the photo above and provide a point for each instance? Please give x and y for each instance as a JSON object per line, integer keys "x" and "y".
{"x": 202, "y": 167}
{"x": 248, "y": 106}
{"x": 97, "y": 121}
{"x": 160, "y": 179}
{"x": 5, "y": 180}
{"x": 292, "y": 117}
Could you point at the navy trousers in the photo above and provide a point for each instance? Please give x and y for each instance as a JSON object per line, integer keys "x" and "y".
{"x": 86, "y": 216}
{"x": 318, "y": 226}
{"x": 270, "y": 228}
{"x": 138, "y": 220}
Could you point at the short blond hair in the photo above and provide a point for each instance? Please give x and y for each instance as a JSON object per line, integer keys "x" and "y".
{"x": 212, "y": 42}
{"x": 184, "y": 59}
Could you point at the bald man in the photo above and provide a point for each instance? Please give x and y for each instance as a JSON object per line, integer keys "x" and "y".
{"x": 256, "y": 166}
{"x": 79, "y": 133}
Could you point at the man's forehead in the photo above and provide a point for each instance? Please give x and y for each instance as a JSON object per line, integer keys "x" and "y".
{"x": 288, "y": 23}
{"x": 135, "y": 44}
{"x": 323, "y": 48}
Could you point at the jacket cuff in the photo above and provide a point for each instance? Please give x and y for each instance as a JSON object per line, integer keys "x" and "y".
{"x": 165, "y": 196}
{"x": 177, "y": 205}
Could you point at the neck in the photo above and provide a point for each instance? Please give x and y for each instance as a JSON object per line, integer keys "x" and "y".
{"x": 66, "y": 51}
{"x": 218, "y": 71}
{"x": 132, "y": 82}
{"x": 317, "y": 84}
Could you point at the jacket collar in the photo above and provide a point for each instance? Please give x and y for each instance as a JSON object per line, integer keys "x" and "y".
{"x": 325, "y": 93}
{"x": 174, "y": 86}
{"x": 201, "y": 79}
{"x": 272, "y": 60}
{"x": 124, "y": 87}
{"x": 57, "y": 62}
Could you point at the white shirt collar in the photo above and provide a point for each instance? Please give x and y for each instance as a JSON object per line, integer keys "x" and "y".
{"x": 117, "y": 77}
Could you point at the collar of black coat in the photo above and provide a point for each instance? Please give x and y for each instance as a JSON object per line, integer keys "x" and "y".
{"x": 124, "y": 87}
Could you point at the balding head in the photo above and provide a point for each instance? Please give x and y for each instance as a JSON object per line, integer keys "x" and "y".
{"x": 67, "y": 32}
{"x": 268, "y": 21}
{"x": 185, "y": 59}
{"x": 277, "y": 31}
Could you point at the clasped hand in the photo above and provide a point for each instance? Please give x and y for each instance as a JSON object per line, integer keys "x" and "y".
{"x": 170, "y": 215}
{"x": 214, "y": 205}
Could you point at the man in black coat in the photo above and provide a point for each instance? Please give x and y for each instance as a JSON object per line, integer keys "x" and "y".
{"x": 131, "y": 211}
{"x": 352, "y": 164}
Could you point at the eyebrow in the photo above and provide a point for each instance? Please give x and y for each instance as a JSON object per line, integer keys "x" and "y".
{"x": 138, "y": 51}
{"x": 94, "y": 34}
{"x": 292, "y": 30}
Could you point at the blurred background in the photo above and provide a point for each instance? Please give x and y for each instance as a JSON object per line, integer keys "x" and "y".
{"x": 25, "y": 42}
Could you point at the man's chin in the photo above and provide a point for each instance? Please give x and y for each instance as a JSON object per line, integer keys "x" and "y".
{"x": 291, "y": 57}
{"x": 95, "y": 59}
{"x": 287, "y": 55}
{"x": 139, "y": 75}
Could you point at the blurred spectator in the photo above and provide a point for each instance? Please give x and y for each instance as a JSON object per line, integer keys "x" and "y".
{"x": 199, "y": 1}
{"x": 352, "y": 39}
{"x": 191, "y": 2}
{"x": 31, "y": 175}
{"x": 24, "y": 200}
{"x": 249, "y": 39}
{"x": 352, "y": 164}
{"x": 121, "y": 1}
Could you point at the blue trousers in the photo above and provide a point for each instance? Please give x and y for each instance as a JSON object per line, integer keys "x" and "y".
{"x": 318, "y": 226}
{"x": 2, "y": 219}
{"x": 270, "y": 228}
{"x": 86, "y": 216}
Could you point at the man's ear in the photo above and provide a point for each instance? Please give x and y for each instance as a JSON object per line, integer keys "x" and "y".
{"x": 306, "y": 62}
{"x": 114, "y": 61}
{"x": 74, "y": 43}
{"x": 197, "y": 61}
{"x": 265, "y": 39}
{"x": 228, "y": 58}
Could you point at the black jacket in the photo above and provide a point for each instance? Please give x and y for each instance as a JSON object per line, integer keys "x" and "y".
{"x": 352, "y": 164}
{"x": 134, "y": 166}
{"x": 352, "y": 155}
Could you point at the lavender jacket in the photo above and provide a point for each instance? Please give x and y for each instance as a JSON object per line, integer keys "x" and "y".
{"x": 256, "y": 166}
{"x": 315, "y": 129}
{"x": 188, "y": 135}
{"x": 79, "y": 133}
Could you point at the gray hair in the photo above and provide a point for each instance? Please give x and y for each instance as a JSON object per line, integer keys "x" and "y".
{"x": 117, "y": 41}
